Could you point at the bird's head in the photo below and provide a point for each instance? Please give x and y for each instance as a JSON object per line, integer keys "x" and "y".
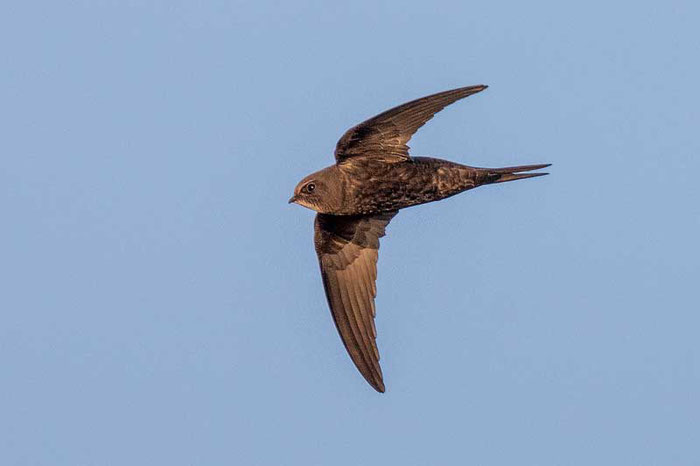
{"x": 319, "y": 191}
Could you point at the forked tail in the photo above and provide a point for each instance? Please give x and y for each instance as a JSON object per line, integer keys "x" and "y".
{"x": 500, "y": 175}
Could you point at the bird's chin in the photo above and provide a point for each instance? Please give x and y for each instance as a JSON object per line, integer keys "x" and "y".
{"x": 308, "y": 205}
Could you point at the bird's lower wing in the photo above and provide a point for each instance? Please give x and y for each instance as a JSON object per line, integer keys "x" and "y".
{"x": 347, "y": 248}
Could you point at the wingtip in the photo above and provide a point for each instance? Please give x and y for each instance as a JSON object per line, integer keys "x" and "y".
{"x": 478, "y": 87}
{"x": 470, "y": 90}
{"x": 376, "y": 381}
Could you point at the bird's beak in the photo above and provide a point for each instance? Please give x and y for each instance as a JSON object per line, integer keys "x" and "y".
{"x": 292, "y": 199}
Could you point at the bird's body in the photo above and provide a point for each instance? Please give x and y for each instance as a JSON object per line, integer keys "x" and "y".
{"x": 370, "y": 186}
{"x": 373, "y": 178}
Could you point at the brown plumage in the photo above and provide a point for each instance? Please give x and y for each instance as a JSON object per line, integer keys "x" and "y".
{"x": 356, "y": 198}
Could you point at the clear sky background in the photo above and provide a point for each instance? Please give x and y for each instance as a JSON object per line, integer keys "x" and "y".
{"x": 161, "y": 301}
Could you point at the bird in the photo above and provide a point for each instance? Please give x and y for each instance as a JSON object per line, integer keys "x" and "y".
{"x": 355, "y": 199}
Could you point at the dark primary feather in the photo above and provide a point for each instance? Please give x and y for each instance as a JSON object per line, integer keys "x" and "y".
{"x": 347, "y": 248}
{"x": 385, "y": 136}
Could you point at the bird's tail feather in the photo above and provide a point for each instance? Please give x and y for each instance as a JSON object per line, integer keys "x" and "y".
{"x": 501, "y": 175}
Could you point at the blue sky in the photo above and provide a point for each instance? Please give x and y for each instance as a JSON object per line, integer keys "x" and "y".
{"x": 161, "y": 302}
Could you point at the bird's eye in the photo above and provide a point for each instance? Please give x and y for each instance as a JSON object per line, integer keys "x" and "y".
{"x": 310, "y": 187}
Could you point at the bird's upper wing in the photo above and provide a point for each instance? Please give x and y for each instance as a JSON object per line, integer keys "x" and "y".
{"x": 385, "y": 136}
{"x": 347, "y": 248}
